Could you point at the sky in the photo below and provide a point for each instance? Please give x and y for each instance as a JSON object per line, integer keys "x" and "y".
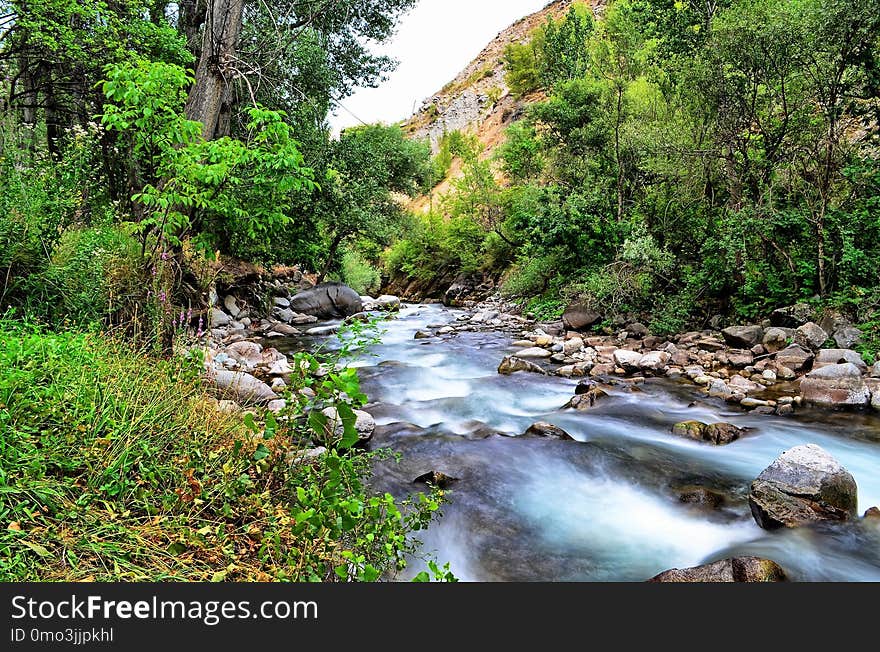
{"x": 434, "y": 42}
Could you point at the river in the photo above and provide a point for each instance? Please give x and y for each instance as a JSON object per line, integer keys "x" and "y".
{"x": 607, "y": 507}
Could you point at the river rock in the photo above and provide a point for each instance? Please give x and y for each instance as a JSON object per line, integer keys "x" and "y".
{"x": 654, "y": 361}
{"x": 573, "y": 345}
{"x": 792, "y": 316}
{"x": 305, "y": 457}
{"x": 795, "y": 358}
{"x": 544, "y": 430}
{"x": 875, "y": 370}
{"x": 847, "y": 337}
{"x": 744, "y": 385}
{"x": 738, "y": 569}
{"x": 873, "y": 514}
{"x": 587, "y": 400}
{"x": 328, "y": 301}
{"x": 387, "y": 302}
{"x": 217, "y": 318}
{"x": 231, "y": 305}
{"x": 422, "y": 335}
{"x": 247, "y": 353}
{"x": 285, "y": 329}
{"x": 835, "y": 385}
{"x": 285, "y": 315}
{"x": 637, "y": 330}
{"x": 696, "y": 495}
{"x": 873, "y": 385}
{"x": 281, "y": 302}
{"x": 241, "y": 387}
{"x": 810, "y": 336}
{"x": 740, "y": 358}
{"x": 803, "y": 485}
{"x": 436, "y": 478}
{"x": 534, "y": 353}
{"x": 512, "y": 364}
{"x": 627, "y": 360}
{"x": 365, "y": 424}
{"x": 743, "y": 337}
{"x": 827, "y": 357}
{"x": 719, "y": 434}
{"x": 777, "y": 338}
{"x": 578, "y": 316}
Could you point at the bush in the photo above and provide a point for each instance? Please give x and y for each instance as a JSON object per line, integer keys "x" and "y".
{"x": 116, "y": 466}
{"x": 359, "y": 274}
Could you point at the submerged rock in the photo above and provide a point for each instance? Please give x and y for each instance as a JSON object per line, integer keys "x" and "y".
{"x": 803, "y": 485}
{"x": 719, "y": 434}
{"x": 588, "y": 399}
{"x": 544, "y": 430}
{"x": 436, "y": 478}
{"x": 738, "y": 569}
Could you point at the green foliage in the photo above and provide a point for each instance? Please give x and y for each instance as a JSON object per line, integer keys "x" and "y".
{"x": 189, "y": 182}
{"x": 359, "y": 274}
{"x": 118, "y": 467}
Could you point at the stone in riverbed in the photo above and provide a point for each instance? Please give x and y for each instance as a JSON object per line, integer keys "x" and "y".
{"x": 241, "y": 387}
{"x": 436, "y": 478}
{"x": 719, "y": 434}
{"x": 827, "y": 357}
{"x": 803, "y": 485}
{"x": 835, "y": 385}
{"x": 512, "y": 364}
{"x": 578, "y": 316}
{"x": 738, "y": 569}
{"x": 217, "y": 318}
{"x": 534, "y": 353}
{"x": 740, "y": 358}
{"x": 654, "y": 361}
{"x": 328, "y": 301}
{"x": 875, "y": 370}
{"x": 574, "y": 345}
{"x": 422, "y": 335}
{"x": 792, "y": 316}
{"x": 364, "y": 424}
{"x": 847, "y": 337}
{"x": 795, "y": 358}
{"x": 743, "y": 337}
{"x": 543, "y": 430}
{"x": 696, "y": 495}
{"x": 873, "y": 385}
{"x": 744, "y": 385}
{"x": 587, "y": 400}
{"x": 285, "y": 329}
{"x": 627, "y": 360}
{"x": 777, "y": 338}
{"x": 810, "y": 336}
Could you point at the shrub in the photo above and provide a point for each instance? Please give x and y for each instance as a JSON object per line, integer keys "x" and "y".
{"x": 359, "y": 274}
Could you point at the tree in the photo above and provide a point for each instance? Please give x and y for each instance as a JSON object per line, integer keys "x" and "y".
{"x": 369, "y": 166}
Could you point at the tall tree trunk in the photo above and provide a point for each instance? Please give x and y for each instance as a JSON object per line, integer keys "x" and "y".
{"x": 617, "y": 155}
{"x": 215, "y": 68}
{"x": 331, "y": 254}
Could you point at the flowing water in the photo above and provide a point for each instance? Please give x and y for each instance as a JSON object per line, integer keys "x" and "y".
{"x": 607, "y": 507}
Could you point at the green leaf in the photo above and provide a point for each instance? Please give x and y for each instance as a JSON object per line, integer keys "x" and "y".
{"x": 250, "y": 423}
{"x": 261, "y": 453}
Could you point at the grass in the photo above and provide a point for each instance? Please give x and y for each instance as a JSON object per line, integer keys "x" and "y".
{"x": 117, "y": 466}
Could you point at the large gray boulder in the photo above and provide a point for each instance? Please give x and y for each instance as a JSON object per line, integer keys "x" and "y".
{"x": 873, "y": 385}
{"x": 810, "y": 336}
{"x": 803, "y": 485}
{"x": 328, "y": 301}
{"x": 795, "y": 358}
{"x": 743, "y": 337}
{"x": 836, "y": 386}
{"x": 738, "y": 569}
{"x": 792, "y": 316}
{"x": 847, "y": 337}
{"x": 777, "y": 338}
{"x": 827, "y": 357}
{"x": 240, "y": 387}
{"x": 627, "y": 360}
{"x": 578, "y": 316}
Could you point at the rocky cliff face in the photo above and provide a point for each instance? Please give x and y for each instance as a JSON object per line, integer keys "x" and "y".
{"x": 478, "y": 100}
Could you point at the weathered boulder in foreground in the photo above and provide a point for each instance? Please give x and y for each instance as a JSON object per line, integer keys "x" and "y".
{"x": 328, "y": 301}
{"x": 512, "y": 364}
{"x": 738, "y": 569}
{"x": 242, "y": 388}
{"x": 578, "y": 316}
{"x": 719, "y": 434}
{"x": 803, "y": 485}
{"x": 836, "y": 386}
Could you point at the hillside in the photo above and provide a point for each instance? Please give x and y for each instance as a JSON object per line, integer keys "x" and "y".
{"x": 478, "y": 101}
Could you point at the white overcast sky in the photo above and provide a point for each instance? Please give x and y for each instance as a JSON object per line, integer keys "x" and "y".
{"x": 434, "y": 42}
